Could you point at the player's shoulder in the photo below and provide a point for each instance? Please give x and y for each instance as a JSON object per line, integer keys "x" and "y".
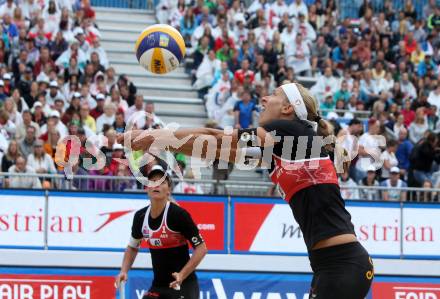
{"x": 141, "y": 213}
{"x": 176, "y": 209}
{"x": 283, "y": 126}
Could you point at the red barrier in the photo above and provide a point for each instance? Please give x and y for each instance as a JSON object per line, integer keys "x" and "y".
{"x": 26, "y": 286}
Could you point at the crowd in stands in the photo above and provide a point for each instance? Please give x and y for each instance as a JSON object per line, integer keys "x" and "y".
{"x": 56, "y": 81}
{"x": 377, "y": 74}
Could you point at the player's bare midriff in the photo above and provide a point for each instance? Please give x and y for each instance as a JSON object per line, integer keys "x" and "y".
{"x": 336, "y": 240}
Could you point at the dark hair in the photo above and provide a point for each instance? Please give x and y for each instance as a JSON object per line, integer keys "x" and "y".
{"x": 391, "y": 143}
{"x": 354, "y": 121}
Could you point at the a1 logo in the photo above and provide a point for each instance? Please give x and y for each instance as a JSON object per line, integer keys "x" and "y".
{"x": 155, "y": 242}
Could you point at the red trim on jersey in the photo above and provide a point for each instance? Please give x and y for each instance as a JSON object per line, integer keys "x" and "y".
{"x": 293, "y": 176}
{"x": 163, "y": 237}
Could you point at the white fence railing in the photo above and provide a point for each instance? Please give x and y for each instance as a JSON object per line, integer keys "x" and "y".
{"x": 223, "y": 187}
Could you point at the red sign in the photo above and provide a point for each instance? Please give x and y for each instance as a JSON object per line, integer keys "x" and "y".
{"x": 249, "y": 218}
{"x": 24, "y": 286}
{"x": 391, "y": 290}
{"x": 210, "y": 219}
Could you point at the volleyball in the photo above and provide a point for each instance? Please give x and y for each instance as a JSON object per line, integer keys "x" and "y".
{"x": 160, "y": 48}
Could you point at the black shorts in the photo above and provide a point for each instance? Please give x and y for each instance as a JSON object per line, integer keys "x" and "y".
{"x": 343, "y": 271}
{"x": 188, "y": 290}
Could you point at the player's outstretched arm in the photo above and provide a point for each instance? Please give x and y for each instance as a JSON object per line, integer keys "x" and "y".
{"x": 190, "y": 141}
{"x": 129, "y": 257}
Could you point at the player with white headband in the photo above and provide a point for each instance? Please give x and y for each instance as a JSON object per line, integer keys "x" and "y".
{"x": 305, "y": 176}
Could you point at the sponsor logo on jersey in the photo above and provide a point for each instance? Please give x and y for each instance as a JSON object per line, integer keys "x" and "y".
{"x": 156, "y": 242}
{"x": 145, "y": 232}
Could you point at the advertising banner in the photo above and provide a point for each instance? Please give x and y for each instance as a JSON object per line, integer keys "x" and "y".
{"x": 408, "y": 290}
{"x": 37, "y": 286}
{"x": 209, "y": 213}
{"x": 268, "y": 226}
{"x": 93, "y": 221}
{"x": 422, "y": 230}
{"x": 55, "y": 283}
{"x": 22, "y": 222}
{"x": 103, "y": 221}
{"x": 222, "y": 285}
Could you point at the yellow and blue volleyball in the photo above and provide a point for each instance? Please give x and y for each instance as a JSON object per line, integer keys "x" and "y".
{"x": 160, "y": 48}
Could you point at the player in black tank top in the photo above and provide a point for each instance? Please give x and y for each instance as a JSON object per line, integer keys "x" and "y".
{"x": 305, "y": 176}
{"x": 167, "y": 229}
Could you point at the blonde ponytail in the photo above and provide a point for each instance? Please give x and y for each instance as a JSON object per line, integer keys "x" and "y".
{"x": 325, "y": 128}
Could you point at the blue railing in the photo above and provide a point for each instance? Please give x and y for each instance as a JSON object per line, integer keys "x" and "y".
{"x": 350, "y": 8}
{"x": 134, "y": 4}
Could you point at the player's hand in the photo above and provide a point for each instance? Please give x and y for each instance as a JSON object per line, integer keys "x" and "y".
{"x": 177, "y": 282}
{"x": 121, "y": 277}
{"x": 135, "y": 139}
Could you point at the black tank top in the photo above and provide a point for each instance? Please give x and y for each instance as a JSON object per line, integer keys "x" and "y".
{"x": 306, "y": 177}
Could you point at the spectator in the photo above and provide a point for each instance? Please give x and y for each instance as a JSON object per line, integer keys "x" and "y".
{"x": 54, "y": 93}
{"x": 394, "y": 181}
{"x": 244, "y": 73}
{"x": 26, "y": 145}
{"x": 343, "y": 93}
{"x": 86, "y": 119}
{"x": 138, "y": 106}
{"x": 7, "y": 127}
{"x": 38, "y": 115}
{"x": 186, "y": 187}
{"x": 320, "y": 53}
{"x": 349, "y": 188}
{"x": 99, "y": 109}
{"x": 150, "y": 110}
{"x": 116, "y": 156}
{"x": 298, "y": 56}
{"x": 389, "y": 159}
{"x": 28, "y": 182}
{"x": 187, "y": 26}
{"x": 408, "y": 114}
{"x": 205, "y": 73}
{"x": 99, "y": 50}
{"x": 244, "y": 111}
{"x": 107, "y": 118}
{"x": 107, "y": 148}
{"x": 369, "y": 181}
{"x": 367, "y": 143}
{"x": 407, "y": 88}
{"x": 39, "y": 160}
{"x": 419, "y": 126}
{"x": 22, "y": 127}
{"x": 74, "y": 107}
{"x": 324, "y": 84}
{"x": 422, "y": 158}
{"x": 58, "y": 124}
{"x": 328, "y": 104}
{"x": 119, "y": 124}
{"x": 7, "y": 7}
{"x": 404, "y": 150}
{"x": 11, "y": 155}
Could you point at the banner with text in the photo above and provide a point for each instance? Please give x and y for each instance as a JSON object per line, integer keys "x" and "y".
{"x": 38, "y": 286}
{"x": 268, "y": 227}
{"x": 22, "y": 222}
{"x": 103, "y": 221}
{"x": 56, "y": 283}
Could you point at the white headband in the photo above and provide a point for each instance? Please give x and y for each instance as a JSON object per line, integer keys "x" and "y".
{"x": 295, "y": 98}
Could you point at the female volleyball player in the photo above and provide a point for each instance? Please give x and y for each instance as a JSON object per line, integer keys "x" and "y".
{"x": 302, "y": 170}
{"x": 167, "y": 228}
